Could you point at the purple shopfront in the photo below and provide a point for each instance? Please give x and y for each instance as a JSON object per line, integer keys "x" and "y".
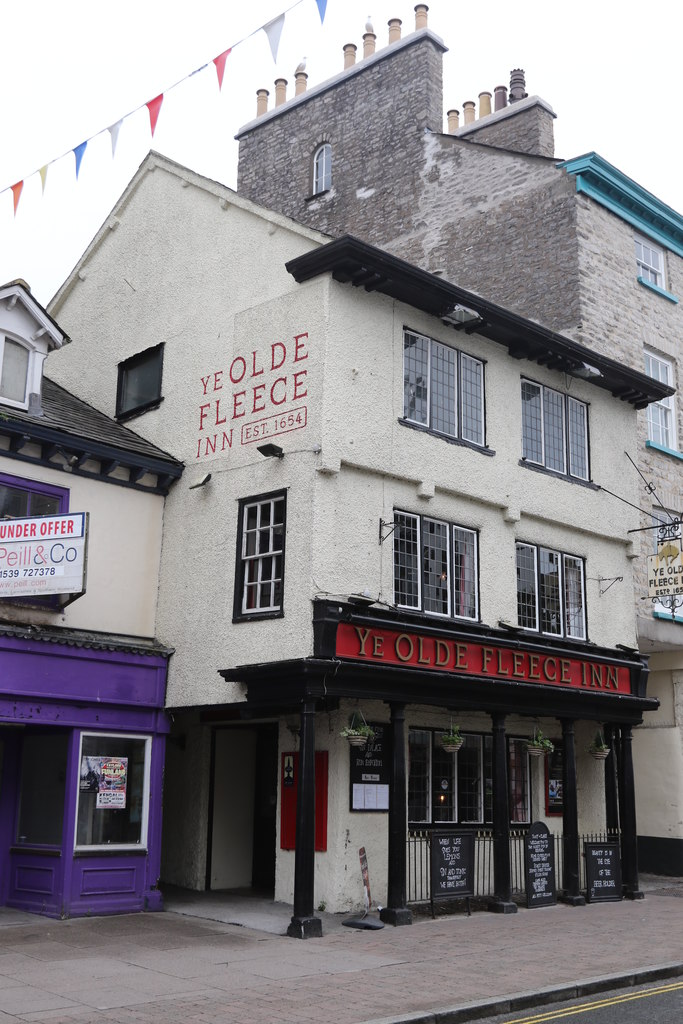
{"x": 82, "y": 737}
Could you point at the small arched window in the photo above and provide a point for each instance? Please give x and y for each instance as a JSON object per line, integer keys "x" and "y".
{"x": 322, "y": 168}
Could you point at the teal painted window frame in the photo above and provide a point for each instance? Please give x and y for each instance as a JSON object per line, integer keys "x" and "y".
{"x": 662, "y": 448}
{"x": 657, "y": 289}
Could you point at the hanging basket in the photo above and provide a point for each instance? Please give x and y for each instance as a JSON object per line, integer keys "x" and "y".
{"x": 358, "y": 732}
{"x": 535, "y": 750}
{"x": 538, "y": 745}
{"x": 357, "y": 741}
{"x": 451, "y": 746}
{"x": 599, "y": 753}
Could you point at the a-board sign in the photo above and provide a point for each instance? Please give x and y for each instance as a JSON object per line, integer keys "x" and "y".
{"x": 371, "y": 771}
{"x": 452, "y": 864}
{"x": 539, "y": 859}
{"x": 603, "y": 872}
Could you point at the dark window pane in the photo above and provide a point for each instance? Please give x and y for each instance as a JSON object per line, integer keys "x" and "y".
{"x": 415, "y": 377}
{"x": 140, "y": 380}
{"x": 442, "y": 389}
{"x": 42, "y": 788}
{"x": 406, "y": 586}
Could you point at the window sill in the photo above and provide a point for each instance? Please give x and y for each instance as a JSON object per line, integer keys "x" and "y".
{"x": 258, "y": 616}
{"x": 460, "y": 441}
{"x": 122, "y": 850}
{"x": 559, "y": 476}
{"x": 130, "y": 414}
{"x": 655, "y": 288}
{"x": 668, "y": 617}
{"x": 665, "y": 451}
{"x": 317, "y": 195}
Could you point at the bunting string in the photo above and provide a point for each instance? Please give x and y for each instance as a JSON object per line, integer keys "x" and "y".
{"x": 273, "y": 31}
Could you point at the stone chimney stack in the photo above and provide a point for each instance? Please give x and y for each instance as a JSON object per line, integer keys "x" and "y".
{"x": 280, "y": 91}
{"x": 421, "y": 16}
{"x": 468, "y": 111}
{"x": 300, "y": 78}
{"x": 484, "y": 104}
{"x": 453, "y": 121}
{"x": 394, "y": 30}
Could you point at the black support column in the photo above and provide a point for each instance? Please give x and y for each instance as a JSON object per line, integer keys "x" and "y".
{"x": 502, "y": 900}
{"x": 570, "y": 818}
{"x": 396, "y": 912}
{"x": 629, "y": 837}
{"x": 611, "y": 788}
{"x": 303, "y": 924}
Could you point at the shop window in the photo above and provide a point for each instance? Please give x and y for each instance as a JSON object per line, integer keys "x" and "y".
{"x": 550, "y": 592}
{"x": 259, "y": 582}
{"x": 661, "y": 415}
{"x": 322, "y": 169}
{"x": 458, "y": 788}
{"x": 113, "y": 791}
{"x": 139, "y": 384}
{"x": 554, "y": 431}
{"x": 443, "y": 389}
{"x": 435, "y": 566}
{"x": 42, "y": 789}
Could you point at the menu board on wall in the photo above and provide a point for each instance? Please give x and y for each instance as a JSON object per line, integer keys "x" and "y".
{"x": 370, "y": 772}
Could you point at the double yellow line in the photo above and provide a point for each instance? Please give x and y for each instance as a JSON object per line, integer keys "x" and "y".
{"x": 569, "y": 1011}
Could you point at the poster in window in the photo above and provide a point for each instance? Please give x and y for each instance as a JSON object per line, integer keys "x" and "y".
{"x": 370, "y": 772}
{"x": 554, "y": 803}
{"x": 107, "y": 777}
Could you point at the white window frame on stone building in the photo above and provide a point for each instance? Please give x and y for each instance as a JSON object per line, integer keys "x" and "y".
{"x": 551, "y": 592}
{"x": 650, "y": 262}
{"x": 436, "y": 567}
{"x": 554, "y": 431}
{"x": 443, "y": 389}
{"x": 322, "y": 169}
{"x": 661, "y": 415}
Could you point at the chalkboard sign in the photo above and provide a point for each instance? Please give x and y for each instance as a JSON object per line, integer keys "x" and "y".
{"x": 370, "y": 772}
{"x": 603, "y": 872}
{"x": 539, "y": 856}
{"x": 452, "y": 864}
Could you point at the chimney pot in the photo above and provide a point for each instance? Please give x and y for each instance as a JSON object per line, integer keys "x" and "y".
{"x": 453, "y": 121}
{"x": 394, "y": 30}
{"x": 468, "y": 111}
{"x": 280, "y": 91}
{"x": 517, "y": 85}
{"x": 421, "y": 16}
{"x": 349, "y": 55}
{"x": 369, "y": 40}
{"x": 500, "y": 97}
{"x": 261, "y": 101}
{"x": 484, "y": 104}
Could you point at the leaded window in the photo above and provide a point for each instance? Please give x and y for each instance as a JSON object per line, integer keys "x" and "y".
{"x": 435, "y": 566}
{"x": 443, "y": 389}
{"x": 554, "y": 430}
{"x": 550, "y": 592}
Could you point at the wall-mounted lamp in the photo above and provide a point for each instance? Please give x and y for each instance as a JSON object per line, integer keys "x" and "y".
{"x": 585, "y": 371}
{"x": 201, "y": 482}
{"x": 271, "y": 451}
{"x": 363, "y": 599}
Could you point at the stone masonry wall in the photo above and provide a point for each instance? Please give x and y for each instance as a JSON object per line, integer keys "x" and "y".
{"x": 530, "y": 131}
{"x": 374, "y": 120}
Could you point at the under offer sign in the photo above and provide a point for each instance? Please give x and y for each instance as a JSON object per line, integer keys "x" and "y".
{"x": 665, "y": 570}
{"x": 43, "y": 555}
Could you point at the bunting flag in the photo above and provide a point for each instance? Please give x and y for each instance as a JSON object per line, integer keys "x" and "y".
{"x": 154, "y": 106}
{"x": 78, "y": 153}
{"x": 114, "y": 130}
{"x": 219, "y": 61}
{"x": 274, "y": 30}
{"x": 16, "y": 191}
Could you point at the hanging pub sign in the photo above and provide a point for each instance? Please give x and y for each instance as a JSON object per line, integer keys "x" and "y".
{"x": 370, "y": 771}
{"x": 539, "y": 857}
{"x": 603, "y": 872}
{"x": 43, "y": 555}
{"x": 665, "y": 569}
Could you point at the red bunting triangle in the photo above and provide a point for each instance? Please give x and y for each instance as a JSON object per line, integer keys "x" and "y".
{"x": 154, "y": 106}
{"x": 16, "y": 192}
{"x": 219, "y": 61}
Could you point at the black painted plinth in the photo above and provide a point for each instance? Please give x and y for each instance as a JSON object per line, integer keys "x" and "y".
{"x": 305, "y": 928}
{"x": 396, "y": 915}
{"x": 635, "y": 894}
{"x": 502, "y": 907}
{"x": 572, "y": 901}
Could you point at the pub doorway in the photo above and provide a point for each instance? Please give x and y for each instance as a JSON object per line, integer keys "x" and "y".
{"x": 241, "y": 849}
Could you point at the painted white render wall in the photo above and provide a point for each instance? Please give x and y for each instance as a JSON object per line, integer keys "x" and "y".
{"x": 124, "y": 549}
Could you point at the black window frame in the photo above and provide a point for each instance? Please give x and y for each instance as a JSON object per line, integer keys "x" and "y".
{"x": 238, "y": 612}
{"x": 542, "y": 464}
{"x": 140, "y": 358}
{"x": 563, "y": 556}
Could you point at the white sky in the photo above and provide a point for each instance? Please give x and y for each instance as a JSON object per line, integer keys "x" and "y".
{"x": 70, "y": 68}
